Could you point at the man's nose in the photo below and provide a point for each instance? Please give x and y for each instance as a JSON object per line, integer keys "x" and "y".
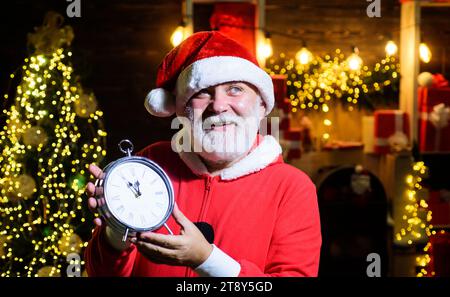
{"x": 219, "y": 103}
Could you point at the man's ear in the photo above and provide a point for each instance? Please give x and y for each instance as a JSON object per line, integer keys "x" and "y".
{"x": 262, "y": 108}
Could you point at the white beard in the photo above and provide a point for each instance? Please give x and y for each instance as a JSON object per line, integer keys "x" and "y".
{"x": 227, "y": 145}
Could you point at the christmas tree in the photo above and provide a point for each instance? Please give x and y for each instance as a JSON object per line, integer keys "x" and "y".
{"x": 52, "y": 132}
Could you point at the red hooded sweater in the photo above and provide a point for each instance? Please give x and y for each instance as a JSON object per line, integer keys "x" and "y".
{"x": 264, "y": 214}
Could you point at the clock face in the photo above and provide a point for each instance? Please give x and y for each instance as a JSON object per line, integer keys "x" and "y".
{"x": 137, "y": 195}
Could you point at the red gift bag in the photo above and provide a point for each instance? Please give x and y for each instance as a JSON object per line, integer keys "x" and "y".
{"x": 434, "y": 121}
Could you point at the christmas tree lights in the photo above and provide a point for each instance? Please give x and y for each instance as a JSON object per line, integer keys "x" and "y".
{"x": 53, "y": 131}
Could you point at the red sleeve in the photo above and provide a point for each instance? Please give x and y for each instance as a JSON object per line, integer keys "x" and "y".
{"x": 103, "y": 260}
{"x": 295, "y": 246}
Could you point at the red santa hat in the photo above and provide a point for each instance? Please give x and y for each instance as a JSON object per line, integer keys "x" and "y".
{"x": 202, "y": 60}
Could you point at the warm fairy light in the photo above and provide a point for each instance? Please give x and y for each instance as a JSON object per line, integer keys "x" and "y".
{"x": 416, "y": 218}
{"x": 264, "y": 49}
{"x": 327, "y": 122}
{"x": 304, "y": 56}
{"x": 178, "y": 35}
{"x": 329, "y": 79}
{"x": 424, "y": 53}
{"x": 391, "y": 48}
{"x": 42, "y": 204}
{"x": 354, "y": 62}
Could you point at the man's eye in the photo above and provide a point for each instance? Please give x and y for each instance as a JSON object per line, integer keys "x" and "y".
{"x": 234, "y": 90}
{"x": 202, "y": 93}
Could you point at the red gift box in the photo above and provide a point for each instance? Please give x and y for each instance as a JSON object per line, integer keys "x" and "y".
{"x": 292, "y": 142}
{"x": 233, "y": 20}
{"x": 440, "y": 253}
{"x": 279, "y": 120}
{"x": 439, "y": 204}
{"x": 434, "y": 121}
{"x": 279, "y": 88}
{"x": 391, "y": 130}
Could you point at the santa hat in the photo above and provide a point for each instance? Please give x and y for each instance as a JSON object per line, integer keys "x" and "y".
{"x": 202, "y": 60}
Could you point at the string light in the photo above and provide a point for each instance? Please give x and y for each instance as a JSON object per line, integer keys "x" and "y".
{"x": 304, "y": 56}
{"x": 328, "y": 80}
{"x": 391, "y": 48}
{"x": 424, "y": 53}
{"x": 354, "y": 61}
{"x": 46, "y": 147}
{"x": 178, "y": 35}
{"x": 416, "y": 215}
{"x": 264, "y": 49}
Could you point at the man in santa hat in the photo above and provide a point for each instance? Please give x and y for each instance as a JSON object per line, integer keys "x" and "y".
{"x": 262, "y": 214}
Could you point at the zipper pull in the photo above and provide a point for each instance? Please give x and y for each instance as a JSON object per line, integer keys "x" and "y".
{"x": 208, "y": 183}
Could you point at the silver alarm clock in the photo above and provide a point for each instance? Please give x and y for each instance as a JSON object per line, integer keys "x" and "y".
{"x": 135, "y": 194}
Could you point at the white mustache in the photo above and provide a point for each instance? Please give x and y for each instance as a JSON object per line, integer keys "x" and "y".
{"x": 221, "y": 120}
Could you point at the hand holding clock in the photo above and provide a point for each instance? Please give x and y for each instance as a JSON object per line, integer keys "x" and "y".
{"x": 190, "y": 248}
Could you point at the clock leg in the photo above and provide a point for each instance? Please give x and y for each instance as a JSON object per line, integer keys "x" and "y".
{"x": 125, "y": 236}
{"x": 168, "y": 229}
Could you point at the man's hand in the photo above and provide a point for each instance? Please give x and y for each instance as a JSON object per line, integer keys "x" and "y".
{"x": 93, "y": 191}
{"x": 190, "y": 248}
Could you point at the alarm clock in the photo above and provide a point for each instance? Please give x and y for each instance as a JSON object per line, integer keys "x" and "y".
{"x": 135, "y": 194}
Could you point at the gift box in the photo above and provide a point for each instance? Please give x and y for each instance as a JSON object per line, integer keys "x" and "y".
{"x": 291, "y": 143}
{"x": 440, "y": 253}
{"x": 434, "y": 121}
{"x": 391, "y": 129}
{"x": 281, "y": 118}
{"x": 439, "y": 204}
{"x": 279, "y": 88}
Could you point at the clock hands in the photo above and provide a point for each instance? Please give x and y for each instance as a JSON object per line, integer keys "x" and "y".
{"x": 137, "y": 184}
{"x": 136, "y": 192}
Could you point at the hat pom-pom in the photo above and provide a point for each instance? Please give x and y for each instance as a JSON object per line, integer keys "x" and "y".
{"x": 160, "y": 102}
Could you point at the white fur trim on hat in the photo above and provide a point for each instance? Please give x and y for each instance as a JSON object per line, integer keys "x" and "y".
{"x": 221, "y": 69}
{"x": 160, "y": 102}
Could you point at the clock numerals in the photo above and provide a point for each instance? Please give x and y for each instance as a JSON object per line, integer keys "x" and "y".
{"x": 155, "y": 214}
{"x": 143, "y": 220}
{"x": 130, "y": 217}
{"x": 120, "y": 209}
{"x": 137, "y": 195}
{"x": 160, "y": 205}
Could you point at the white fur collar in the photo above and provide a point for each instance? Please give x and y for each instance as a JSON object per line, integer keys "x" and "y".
{"x": 264, "y": 154}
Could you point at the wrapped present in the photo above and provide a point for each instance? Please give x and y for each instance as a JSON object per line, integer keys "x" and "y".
{"x": 391, "y": 129}
{"x": 282, "y": 117}
{"x": 291, "y": 143}
{"x": 440, "y": 253}
{"x": 439, "y": 81}
{"x": 434, "y": 122}
{"x": 439, "y": 204}
{"x": 284, "y": 105}
{"x": 279, "y": 88}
